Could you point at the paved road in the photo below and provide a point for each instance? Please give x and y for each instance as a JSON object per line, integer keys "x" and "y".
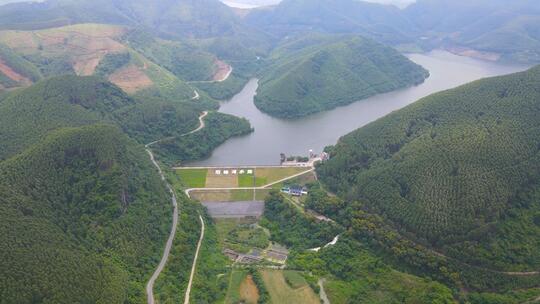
{"x": 194, "y": 265}
{"x": 200, "y": 127}
{"x": 168, "y": 245}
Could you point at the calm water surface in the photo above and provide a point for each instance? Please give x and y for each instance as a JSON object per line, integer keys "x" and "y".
{"x": 273, "y": 136}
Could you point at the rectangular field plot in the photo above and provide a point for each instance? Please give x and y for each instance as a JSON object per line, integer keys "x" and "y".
{"x": 192, "y": 178}
{"x": 297, "y": 291}
{"x": 234, "y": 209}
{"x": 230, "y": 195}
{"x": 266, "y": 176}
{"x": 218, "y": 179}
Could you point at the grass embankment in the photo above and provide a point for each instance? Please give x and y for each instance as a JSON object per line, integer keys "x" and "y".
{"x": 282, "y": 293}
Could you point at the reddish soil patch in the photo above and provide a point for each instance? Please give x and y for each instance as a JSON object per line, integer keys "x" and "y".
{"x": 248, "y": 291}
{"x": 11, "y": 74}
{"x": 223, "y": 71}
{"x": 131, "y": 79}
{"x": 474, "y": 53}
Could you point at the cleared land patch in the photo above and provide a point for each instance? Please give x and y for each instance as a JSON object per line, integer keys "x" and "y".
{"x": 222, "y": 72}
{"x": 221, "y": 180}
{"x": 11, "y": 74}
{"x": 282, "y": 293}
{"x": 248, "y": 291}
{"x": 131, "y": 79}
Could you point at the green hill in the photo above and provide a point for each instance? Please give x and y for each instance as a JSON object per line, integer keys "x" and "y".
{"x": 84, "y": 217}
{"x": 67, "y": 101}
{"x": 457, "y": 171}
{"x": 318, "y": 73}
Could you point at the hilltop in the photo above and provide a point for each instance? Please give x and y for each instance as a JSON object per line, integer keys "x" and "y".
{"x": 318, "y": 72}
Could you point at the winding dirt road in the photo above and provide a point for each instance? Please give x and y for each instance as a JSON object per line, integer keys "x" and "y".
{"x": 194, "y": 265}
{"x": 168, "y": 245}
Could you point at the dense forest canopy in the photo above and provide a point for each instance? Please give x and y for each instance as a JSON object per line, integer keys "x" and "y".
{"x": 457, "y": 170}
{"x": 83, "y": 217}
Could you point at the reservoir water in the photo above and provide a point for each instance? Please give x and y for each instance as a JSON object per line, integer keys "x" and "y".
{"x": 273, "y": 136}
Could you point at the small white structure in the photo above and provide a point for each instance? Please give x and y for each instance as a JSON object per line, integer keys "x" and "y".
{"x": 225, "y": 172}
{"x": 218, "y": 172}
{"x": 234, "y": 172}
{"x": 242, "y": 171}
{"x": 249, "y": 171}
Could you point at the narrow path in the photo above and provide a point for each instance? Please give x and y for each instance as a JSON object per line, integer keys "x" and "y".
{"x": 322, "y": 292}
{"x": 196, "y": 95}
{"x": 168, "y": 245}
{"x": 194, "y": 265}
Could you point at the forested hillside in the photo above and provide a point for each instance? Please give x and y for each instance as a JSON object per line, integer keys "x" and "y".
{"x": 83, "y": 211}
{"x": 318, "y": 72}
{"x": 84, "y": 216}
{"x": 457, "y": 171}
{"x": 71, "y": 101}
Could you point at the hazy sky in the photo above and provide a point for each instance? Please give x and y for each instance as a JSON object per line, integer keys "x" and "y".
{"x": 254, "y": 3}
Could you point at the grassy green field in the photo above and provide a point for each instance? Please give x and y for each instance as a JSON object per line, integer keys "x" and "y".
{"x": 192, "y": 178}
{"x": 294, "y": 279}
{"x": 282, "y": 293}
{"x": 239, "y": 235}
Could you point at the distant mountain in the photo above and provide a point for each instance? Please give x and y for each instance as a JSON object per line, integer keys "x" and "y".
{"x": 458, "y": 170}
{"x": 170, "y": 19}
{"x": 497, "y": 28}
{"x": 486, "y": 29}
{"x": 320, "y": 72}
{"x": 383, "y": 23}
